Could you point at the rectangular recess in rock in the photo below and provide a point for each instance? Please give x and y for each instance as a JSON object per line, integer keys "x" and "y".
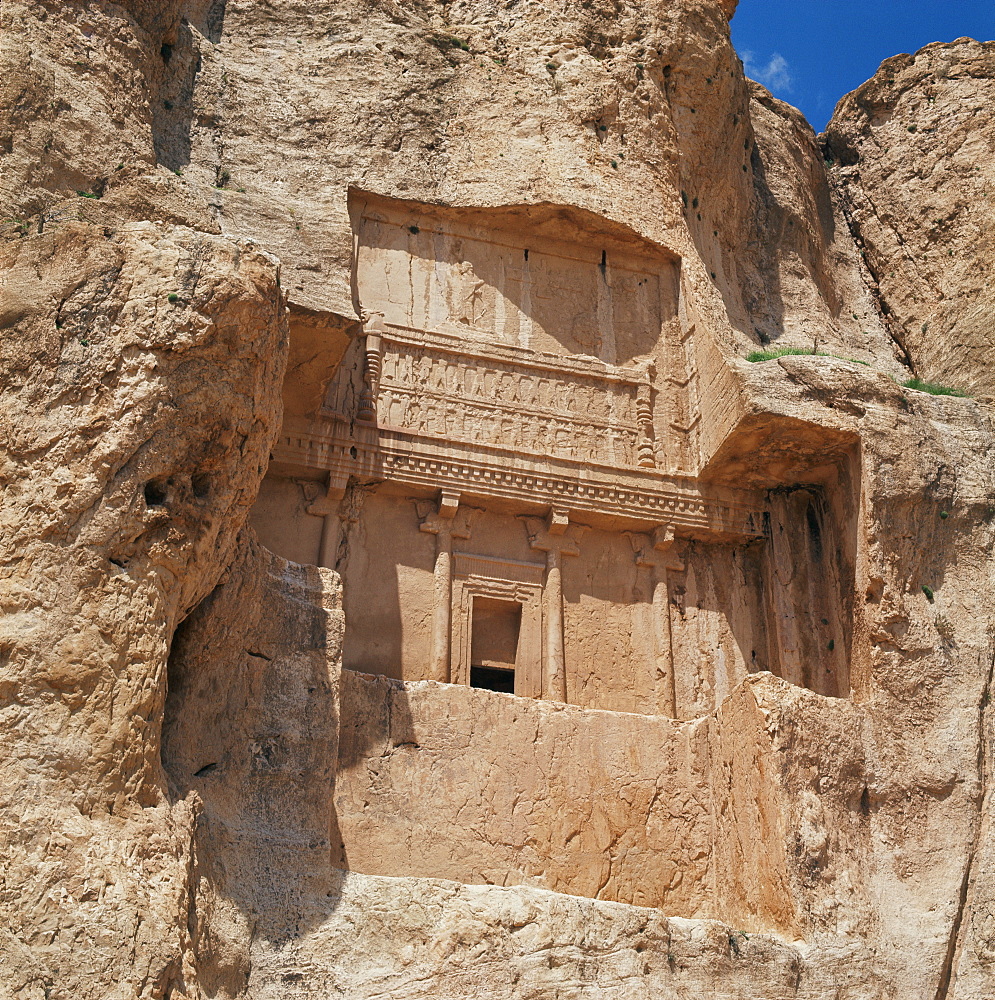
{"x": 514, "y": 420}
{"x": 495, "y": 628}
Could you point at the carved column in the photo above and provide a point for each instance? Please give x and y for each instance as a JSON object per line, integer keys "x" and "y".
{"x": 446, "y": 521}
{"x": 373, "y": 328}
{"x": 658, "y": 553}
{"x": 339, "y": 507}
{"x": 646, "y": 447}
{"x": 550, "y": 536}
{"x": 328, "y": 508}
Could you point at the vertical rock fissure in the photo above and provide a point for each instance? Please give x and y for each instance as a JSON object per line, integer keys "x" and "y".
{"x": 954, "y": 941}
{"x": 871, "y": 276}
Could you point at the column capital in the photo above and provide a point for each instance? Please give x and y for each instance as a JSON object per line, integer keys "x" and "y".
{"x": 448, "y": 503}
{"x": 554, "y": 534}
{"x": 658, "y": 549}
{"x": 373, "y": 322}
{"x": 557, "y": 521}
{"x": 665, "y": 542}
{"x": 329, "y": 503}
{"x": 445, "y": 517}
{"x": 642, "y": 548}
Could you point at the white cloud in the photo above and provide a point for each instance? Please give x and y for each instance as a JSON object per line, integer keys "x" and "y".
{"x": 775, "y": 74}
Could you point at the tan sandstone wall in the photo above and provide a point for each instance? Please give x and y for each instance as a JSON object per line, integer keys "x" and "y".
{"x": 250, "y": 734}
{"x": 143, "y": 370}
{"x": 137, "y": 430}
{"x": 909, "y": 151}
{"x": 441, "y": 781}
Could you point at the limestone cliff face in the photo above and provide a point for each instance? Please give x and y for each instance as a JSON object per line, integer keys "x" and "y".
{"x": 256, "y": 120}
{"x": 175, "y": 181}
{"x": 910, "y": 154}
{"x": 142, "y": 371}
{"x": 910, "y": 160}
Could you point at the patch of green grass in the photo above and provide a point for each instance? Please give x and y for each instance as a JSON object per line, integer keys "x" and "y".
{"x": 782, "y": 352}
{"x": 928, "y": 591}
{"x": 87, "y": 194}
{"x": 172, "y": 297}
{"x": 933, "y": 388}
{"x": 458, "y": 43}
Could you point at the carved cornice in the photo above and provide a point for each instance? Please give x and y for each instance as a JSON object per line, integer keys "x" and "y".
{"x": 480, "y": 471}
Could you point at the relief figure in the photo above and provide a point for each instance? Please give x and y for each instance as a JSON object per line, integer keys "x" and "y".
{"x": 564, "y": 441}
{"x": 414, "y": 414}
{"x": 439, "y": 372}
{"x": 467, "y": 305}
{"x": 541, "y": 437}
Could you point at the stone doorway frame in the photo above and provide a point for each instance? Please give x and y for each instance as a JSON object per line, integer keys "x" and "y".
{"x": 506, "y": 580}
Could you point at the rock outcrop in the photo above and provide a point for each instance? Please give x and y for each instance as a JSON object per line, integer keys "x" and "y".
{"x": 142, "y": 371}
{"x": 910, "y": 153}
{"x": 196, "y": 800}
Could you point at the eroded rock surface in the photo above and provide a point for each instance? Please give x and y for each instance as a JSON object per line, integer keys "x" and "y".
{"x": 911, "y": 155}
{"x": 164, "y": 169}
{"x": 142, "y": 371}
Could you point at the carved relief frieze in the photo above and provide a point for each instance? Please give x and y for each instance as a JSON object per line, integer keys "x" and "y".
{"x": 511, "y": 286}
{"x": 498, "y": 361}
{"x": 601, "y": 415}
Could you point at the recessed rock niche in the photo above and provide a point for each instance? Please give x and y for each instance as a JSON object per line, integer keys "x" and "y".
{"x": 504, "y": 470}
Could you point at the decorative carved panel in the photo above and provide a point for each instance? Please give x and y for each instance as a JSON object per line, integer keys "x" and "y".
{"x": 514, "y": 400}
{"x": 498, "y": 285}
{"x": 506, "y": 579}
{"x": 511, "y": 353}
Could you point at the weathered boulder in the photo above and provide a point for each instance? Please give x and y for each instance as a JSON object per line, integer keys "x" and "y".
{"x": 142, "y": 370}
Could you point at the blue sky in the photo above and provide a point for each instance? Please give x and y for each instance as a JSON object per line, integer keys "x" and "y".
{"x": 812, "y": 52}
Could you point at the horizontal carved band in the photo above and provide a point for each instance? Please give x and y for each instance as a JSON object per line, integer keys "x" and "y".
{"x": 646, "y": 497}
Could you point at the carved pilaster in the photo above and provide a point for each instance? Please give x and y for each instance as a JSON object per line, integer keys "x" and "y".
{"x": 550, "y": 536}
{"x": 329, "y": 508}
{"x": 658, "y": 554}
{"x": 646, "y": 447}
{"x": 446, "y": 520}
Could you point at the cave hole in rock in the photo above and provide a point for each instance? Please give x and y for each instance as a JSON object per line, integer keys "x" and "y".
{"x": 156, "y": 493}
{"x": 496, "y": 628}
{"x": 201, "y": 485}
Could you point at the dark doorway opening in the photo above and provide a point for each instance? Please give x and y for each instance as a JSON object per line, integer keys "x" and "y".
{"x": 493, "y": 679}
{"x": 496, "y": 625}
